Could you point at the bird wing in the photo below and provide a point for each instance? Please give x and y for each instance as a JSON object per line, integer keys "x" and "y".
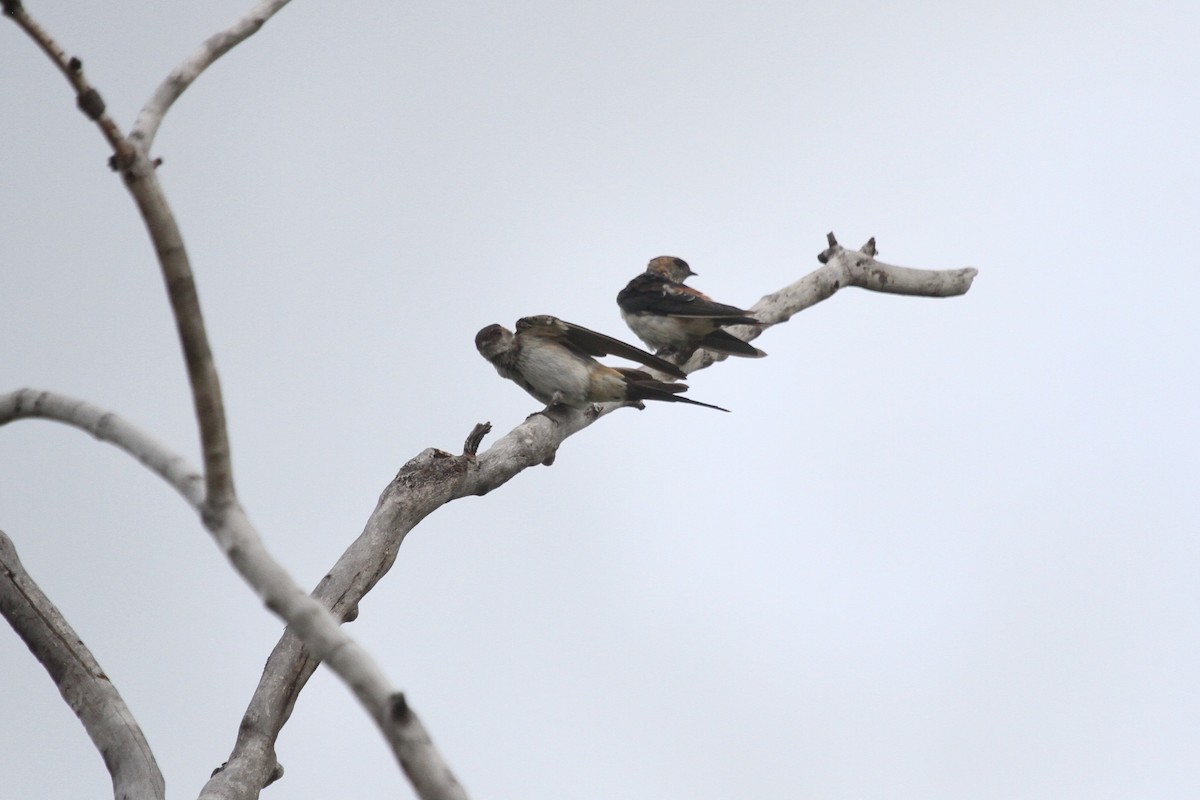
{"x": 636, "y": 376}
{"x": 722, "y": 341}
{"x": 651, "y": 294}
{"x": 591, "y": 343}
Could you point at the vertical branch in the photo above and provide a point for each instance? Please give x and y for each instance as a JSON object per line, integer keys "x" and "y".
{"x": 143, "y": 184}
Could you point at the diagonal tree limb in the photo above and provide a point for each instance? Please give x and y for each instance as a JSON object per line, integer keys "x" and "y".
{"x": 841, "y": 268}
{"x": 86, "y": 97}
{"x": 307, "y": 618}
{"x": 435, "y": 477}
{"x": 80, "y": 680}
{"x": 145, "y": 127}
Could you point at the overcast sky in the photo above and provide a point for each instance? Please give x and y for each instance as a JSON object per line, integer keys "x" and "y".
{"x": 941, "y": 549}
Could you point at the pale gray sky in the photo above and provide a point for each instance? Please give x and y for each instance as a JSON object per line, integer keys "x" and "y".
{"x": 940, "y": 549}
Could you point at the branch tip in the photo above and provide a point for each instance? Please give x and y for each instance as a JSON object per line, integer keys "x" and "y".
{"x": 831, "y": 239}
{"x": 869, "y": 247}
{"x": 11, "y": 7}
{"x": 475, "y": 438}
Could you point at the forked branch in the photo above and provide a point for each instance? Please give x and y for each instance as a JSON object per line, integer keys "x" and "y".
{"x": 220, "y": 511}
{"x": 308, "y": 619}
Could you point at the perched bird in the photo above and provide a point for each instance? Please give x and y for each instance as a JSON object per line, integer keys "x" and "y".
{"x": 676, "y": 319}
{"x": 553, "y": 361}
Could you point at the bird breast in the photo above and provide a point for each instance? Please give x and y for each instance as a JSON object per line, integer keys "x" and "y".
{"x": 666, "y": 332}
{"x": 549, "y": 370}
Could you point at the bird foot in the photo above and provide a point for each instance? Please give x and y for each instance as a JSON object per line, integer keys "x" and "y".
{"x": 553, "y": 412}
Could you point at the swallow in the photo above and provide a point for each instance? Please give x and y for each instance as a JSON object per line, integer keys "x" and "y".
{"x": 677, "y": 319}
{"x": 554, "y": 361}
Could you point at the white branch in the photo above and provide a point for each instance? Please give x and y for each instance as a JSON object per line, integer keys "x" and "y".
{"x": 145, "y": 127}
{"x": 324, "y": 637}
{"x": 219, "y": 507}
{"x": 107, "y": 427}
{"x": 80, "y": 680}
{"x": 435, "y": 477}
{"x": 841, "y": 268}
{"x": 307, "y": 617}
{"x": 141, "y": 180}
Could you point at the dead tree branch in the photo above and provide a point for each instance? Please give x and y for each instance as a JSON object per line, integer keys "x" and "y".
{"x": 435, "y": 477}
{"x": 145, "y": 127}
{"x": 80, "y": 680}
{"x": 425, "y": 483}
{"x": 138, "y": 171}
{"x": 841, "y": 268}
{"x": 307, "y": 618}
{"x": 107, "y": 427}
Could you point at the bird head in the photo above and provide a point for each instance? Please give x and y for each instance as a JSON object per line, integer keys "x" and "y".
{"x": 671, "y": 268}
{"x": 492, "y": 341}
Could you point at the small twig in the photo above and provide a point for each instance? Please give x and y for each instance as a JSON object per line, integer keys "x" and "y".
{"x": 475, "y": 438}
{"x": 80, "y": 680}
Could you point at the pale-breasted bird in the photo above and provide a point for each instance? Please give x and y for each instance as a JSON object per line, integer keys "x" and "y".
{"x": 676, "y": 319}
{"x": 553, "y": 361}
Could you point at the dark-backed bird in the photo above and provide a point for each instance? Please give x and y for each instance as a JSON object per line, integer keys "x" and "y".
{"x": 554, "y": 361}
{"x": 675, "y": 319}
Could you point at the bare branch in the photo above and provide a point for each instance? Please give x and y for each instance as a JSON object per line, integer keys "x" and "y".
{"x": 841, "y": 268}
{"x": 306, "y": 617}
{"x": 220, "y": 510}
{"x": 428, "y": 481}
{"x": 475, "y": 438}
{"x": 151, "y": 116}
{"x": 107, "y": 427}
{"x": 142, "y": 182}
{"x": 80, "y": 680}
{"x": 424, "y": 484}
{"x": 322, "y": 634}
